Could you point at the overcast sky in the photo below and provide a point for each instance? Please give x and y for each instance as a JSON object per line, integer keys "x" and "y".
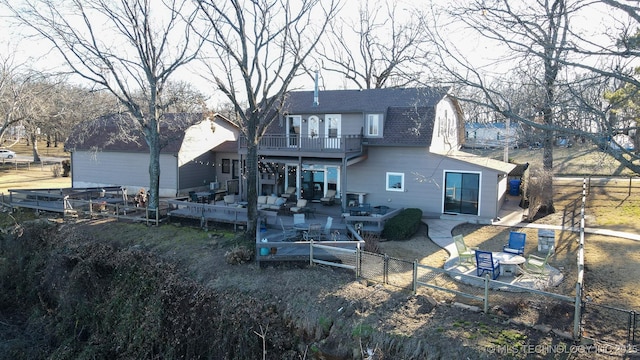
{"x": 36, "y": 54}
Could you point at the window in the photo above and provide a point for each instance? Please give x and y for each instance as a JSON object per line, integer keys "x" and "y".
{"x": 373, "y": 125}
{"x": 293, "y": 129}
{"x": 462, "y": 192}
{"x": 395, "y": 181}
{"x": 235, "y": 169}
{"x": 226, "y": 166}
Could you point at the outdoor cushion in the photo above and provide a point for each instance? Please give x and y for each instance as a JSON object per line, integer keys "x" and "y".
{"x": 299, "y": 205}
{"x": 277, "y": 205}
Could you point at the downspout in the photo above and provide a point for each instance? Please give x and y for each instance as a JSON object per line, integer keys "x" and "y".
{"x": 71, "y": 168}
{"x": 299, "y": 178}
{"x": 343, "y": 184}
{"x": 500, "y": 196}
{"x": 177, "y": 176}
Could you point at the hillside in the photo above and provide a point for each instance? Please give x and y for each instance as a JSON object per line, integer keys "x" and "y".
{"x": 103, "y": 289}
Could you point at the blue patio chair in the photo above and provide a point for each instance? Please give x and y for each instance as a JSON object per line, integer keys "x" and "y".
{"x": 516, "y": 243}
{"x": 485, "y": 263}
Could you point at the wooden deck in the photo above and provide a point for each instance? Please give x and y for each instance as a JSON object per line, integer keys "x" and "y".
{"x": 208, "y": 212}
{"x": 271, "y": 245}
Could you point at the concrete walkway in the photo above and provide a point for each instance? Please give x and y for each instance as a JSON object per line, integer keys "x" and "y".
{"x": 510, "y": 215}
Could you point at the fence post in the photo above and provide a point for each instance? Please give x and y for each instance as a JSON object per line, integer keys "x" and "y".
{"x": 486, "y": 294}
{"x": 385, "y": 270}
{"x": 415, "y": 277}
{"x": 358, "y": 262}
{"x": 577, "y": 316}
{"x": 629, "y": 186}
{"x": 635, "y": 327}
{"x": 311, "y": 253}
{"x": 631, "y": 336}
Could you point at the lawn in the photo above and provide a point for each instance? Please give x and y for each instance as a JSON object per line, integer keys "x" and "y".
{"x": 21, "y": 148}
{"x": 579, "y": 160}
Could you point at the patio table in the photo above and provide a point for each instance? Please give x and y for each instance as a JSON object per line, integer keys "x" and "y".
{"x": 301, "y": 226}
{"x": 203, "y": 196}
{"x": 509, "y": 263}
{"x": 359, "y": 210}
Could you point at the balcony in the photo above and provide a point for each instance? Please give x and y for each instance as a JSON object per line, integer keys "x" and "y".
{"x": 300, "y": 145}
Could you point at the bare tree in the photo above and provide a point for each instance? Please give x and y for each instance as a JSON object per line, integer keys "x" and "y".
{"x": 26, "y": 100}
{"x": 14, "y": 93}
{"x": 256, "y": 50}
{"x": 385, "y": 47}
{"x": 182, "y": 97}
{"x": 541, "y": 51}
{"x": 128, "y": 48}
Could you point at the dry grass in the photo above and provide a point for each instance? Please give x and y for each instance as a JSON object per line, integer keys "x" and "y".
{"x": 21, "y": 148}
{"x": 580, "y": 160}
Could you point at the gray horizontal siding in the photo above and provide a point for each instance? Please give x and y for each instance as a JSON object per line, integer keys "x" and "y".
{"x": 423, "y": 178}
{"x": 122, "y": 169}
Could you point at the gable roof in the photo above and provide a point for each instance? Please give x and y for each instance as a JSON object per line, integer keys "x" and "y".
{"x": 120, "y": 132}
{"x": 409, "y": 113}
{"x": 362, "y": 101}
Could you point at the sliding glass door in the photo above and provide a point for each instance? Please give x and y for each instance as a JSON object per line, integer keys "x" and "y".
{"x": 462, "y": 191}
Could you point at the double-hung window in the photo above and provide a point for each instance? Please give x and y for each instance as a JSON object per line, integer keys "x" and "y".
{"x": 374, "y": 125}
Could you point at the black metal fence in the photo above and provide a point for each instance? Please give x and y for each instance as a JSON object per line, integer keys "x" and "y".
{"x": 611, "y": 325}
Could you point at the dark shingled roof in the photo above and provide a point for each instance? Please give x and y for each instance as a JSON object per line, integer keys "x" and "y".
{"x": 370, "y": 101}
{"x": 119, "y": 132}
{"x": 407, "y": 127}
{"x": 227, "y": 146}
{"x": 409, "y": 112}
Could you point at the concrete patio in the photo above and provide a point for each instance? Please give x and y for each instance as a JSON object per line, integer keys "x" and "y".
{"x": 440, "y": 232}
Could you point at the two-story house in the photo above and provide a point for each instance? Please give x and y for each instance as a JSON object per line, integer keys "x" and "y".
{"x": 385, "y": 147}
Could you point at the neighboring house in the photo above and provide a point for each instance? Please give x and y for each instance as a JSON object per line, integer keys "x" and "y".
{"x": 384, "y": 147}
{"x": 491, "y": 135}
{"x": 194, "y": 154}
{"x": 621, "y": 141}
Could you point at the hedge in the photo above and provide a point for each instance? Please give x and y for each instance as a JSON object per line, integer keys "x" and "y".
{"x": 403, "y": 225}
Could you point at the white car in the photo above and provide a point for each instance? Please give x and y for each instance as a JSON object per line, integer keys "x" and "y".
{"x": 7, "y": 154}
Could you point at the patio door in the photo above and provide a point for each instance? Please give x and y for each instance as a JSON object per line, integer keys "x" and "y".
{"x": 312, "y": 182}
{"x": 293, "y": 130}
{"x": 333, "y": 124}
{"x": 462, "y": 193}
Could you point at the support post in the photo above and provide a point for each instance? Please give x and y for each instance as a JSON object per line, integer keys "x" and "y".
{"x": 415, "y": 276}
{"x": 577, "y": 313}
{"x": 486, "y": 294}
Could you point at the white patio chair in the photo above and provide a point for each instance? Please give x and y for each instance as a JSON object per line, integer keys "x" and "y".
{"x": 298, "y": 219}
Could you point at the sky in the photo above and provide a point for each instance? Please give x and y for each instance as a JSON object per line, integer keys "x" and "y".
{"x": 37, "y": 54}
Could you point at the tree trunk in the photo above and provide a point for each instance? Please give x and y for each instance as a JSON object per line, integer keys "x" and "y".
{"x": 34, "y": 147}
{"x": 153, "y": 140}
{"x": 252, "y": 183}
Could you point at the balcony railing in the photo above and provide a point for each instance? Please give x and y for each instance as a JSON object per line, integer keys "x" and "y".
{"x": 341, "y": 144}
